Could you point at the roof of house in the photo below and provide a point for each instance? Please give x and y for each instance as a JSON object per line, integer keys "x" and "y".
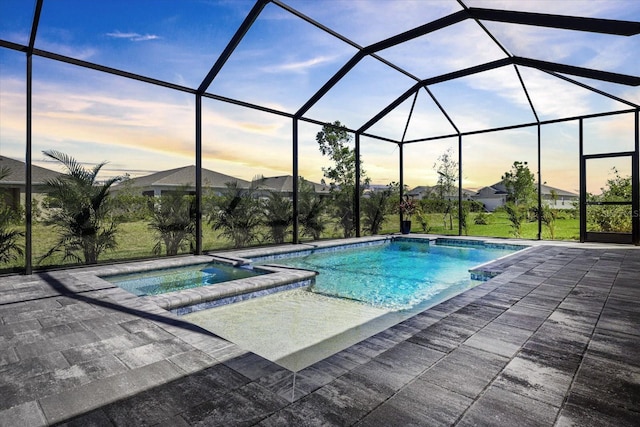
{"x": 546, "y": 189}
{"x": 16, "y": 176}
{"x": 284, "y": 183}
{"x": 422, "y": 189}
{"x": 494, "y": 189}
{"x": 185, "y": 175}
{"x": 500, "y": 188}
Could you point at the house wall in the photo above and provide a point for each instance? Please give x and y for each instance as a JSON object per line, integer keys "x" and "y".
{"x": 561, "y": 202}
{"x": 491, "y": 203}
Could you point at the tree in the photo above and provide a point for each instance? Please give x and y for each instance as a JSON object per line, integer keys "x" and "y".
{"x": 611, "y": 218}
{"x": 10, "y": 249}
{"x": 173, "y": 222}
{"x": 447, "y": 168}
{"x": 237, "y": 214}
{"x": 278, "y": 215}
{"x": 333, "y": 142}
{"x": 81, "y": 211}
{"x": 310, "y": 210}
{"x": 520, "y": 185}
{"x": 521, "y": 195}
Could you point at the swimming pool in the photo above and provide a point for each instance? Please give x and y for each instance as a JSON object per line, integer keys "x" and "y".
{"x": 296, "y": 328}
{"x": 396, "y": 275}
{"x": 167, "y": 280}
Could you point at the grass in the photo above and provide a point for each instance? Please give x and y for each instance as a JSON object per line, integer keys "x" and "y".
{"x": 136, "y": 241}
{"x": 498, "y": 226}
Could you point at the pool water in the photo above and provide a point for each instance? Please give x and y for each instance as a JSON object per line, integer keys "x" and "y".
{"x": 359, "y": 292}
{"x": 394, "y": 276}
{"x": 175, "y": 279}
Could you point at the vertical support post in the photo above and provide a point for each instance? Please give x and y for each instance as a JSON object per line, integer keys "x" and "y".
{"x": 356, "y": 196}
{"x": 401, "y": 177}
{"x": 583, "y": 186}
{"x": 28, "y": 246}
{"x": 539, "y": 185}
{"x": 635, "y": 184}
{"x": 296, "y": 186}
{"x": 198, "y": 153}
{"x": 28, "y": 192}
{"x": 460, "y": 213}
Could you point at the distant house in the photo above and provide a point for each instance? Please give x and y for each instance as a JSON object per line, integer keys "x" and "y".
{"x": 494, "y": 196}
{"x": 161, "y": 182}
{"x": 421, "y": 192}
{"x": 557, "y": 198}
{"x": 13, "y": 186}
{"x": 284, "y": 184}
{"x": 426, "y": 192}
{"x": 184, "y": 177}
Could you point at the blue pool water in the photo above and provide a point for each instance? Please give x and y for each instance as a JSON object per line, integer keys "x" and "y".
{"x": 175, "y": 279}
{"x": 396, "y": 275}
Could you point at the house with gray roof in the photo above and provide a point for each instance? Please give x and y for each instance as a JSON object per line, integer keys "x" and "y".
{"x": 182, "y": 178}
{"x": 494, "y": 196}
{"x": 13, "y": 186}
{"x": 284, "y": 184}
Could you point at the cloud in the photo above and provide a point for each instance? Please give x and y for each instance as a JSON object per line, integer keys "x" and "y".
{"x": 134, "y": 37}
{"x": 300, "y": 66}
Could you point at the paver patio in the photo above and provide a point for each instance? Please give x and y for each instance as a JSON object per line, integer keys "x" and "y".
{"x": 553, "y": 340}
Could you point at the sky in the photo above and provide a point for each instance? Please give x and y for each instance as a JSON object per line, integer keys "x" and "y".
{"x": 282, "y": 61}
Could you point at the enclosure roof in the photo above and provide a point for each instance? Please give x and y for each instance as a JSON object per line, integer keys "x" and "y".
{"x": 398, "y": 71}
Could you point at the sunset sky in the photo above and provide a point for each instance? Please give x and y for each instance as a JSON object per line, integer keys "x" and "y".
{"x": 282, "y": 61}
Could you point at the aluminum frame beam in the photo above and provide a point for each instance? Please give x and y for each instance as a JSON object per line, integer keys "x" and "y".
{"x": 233, "y": 43}
{"x": 623, "y": 79}
{"x": 565, "y": 22}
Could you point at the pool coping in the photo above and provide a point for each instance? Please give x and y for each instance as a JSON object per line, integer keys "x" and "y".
{"x": 277, "y": 277}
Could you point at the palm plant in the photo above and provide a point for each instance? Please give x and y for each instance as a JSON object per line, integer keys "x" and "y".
{"x": 10, "y": 249}
{"x": 342, "y": 209}
{"x": 237, "y": 215}
{"x": 375, "y": 209}
{"x": 278, "y": 215}
{"x": 173, "y": 222}
{"x": 310, "y": 211}
{"x": 548, "y": 217}
{"x": 517, "y": 216}
{"x": 81, "y": 211}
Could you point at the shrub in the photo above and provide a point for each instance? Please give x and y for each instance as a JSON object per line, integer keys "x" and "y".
{"x": 237, "y": 215}
{"x": 517, "y": 215}
{"x": 423, "y": 220}
{"x": 482, "y": 218}
{"x": 278, "y": 215}
{"x": 173, "y": 222}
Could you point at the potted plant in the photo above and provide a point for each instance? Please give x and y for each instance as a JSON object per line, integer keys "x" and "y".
{"x": 407, "y": 208}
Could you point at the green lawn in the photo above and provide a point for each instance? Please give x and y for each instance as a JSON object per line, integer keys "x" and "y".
{"x": 135, "y": 240}
{"x": 498, "y": 226}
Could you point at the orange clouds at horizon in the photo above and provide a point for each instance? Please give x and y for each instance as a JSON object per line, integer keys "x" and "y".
{"x": 151, "y": 134}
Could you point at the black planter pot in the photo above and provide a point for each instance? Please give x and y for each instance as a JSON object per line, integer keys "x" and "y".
{"x": 405, "y": 227}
